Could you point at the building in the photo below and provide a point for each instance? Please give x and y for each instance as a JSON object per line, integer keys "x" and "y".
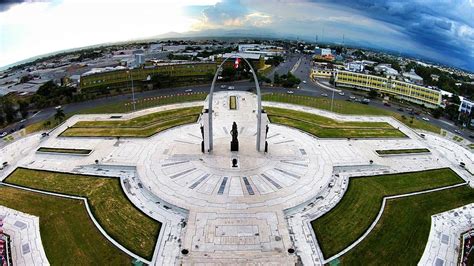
{"x": 266, "y": 50}
{"x": 355, "y": 66}
{"x": 322, "y": 70}
{"x": 466, "y": 106}
{"x": 322, "y": 51}
{"x": 413, "y": 77}
{"x": 257, "y": 60}
{"x": 466, "y": 114}
{"x": 428, "y": 97}
{"x": 139, "y": 59}
{"x": 120, "y": 76}
{"x": 387, "y": 70}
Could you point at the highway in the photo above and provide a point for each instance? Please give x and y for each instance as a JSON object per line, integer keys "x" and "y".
{"x": 300, "y": 65}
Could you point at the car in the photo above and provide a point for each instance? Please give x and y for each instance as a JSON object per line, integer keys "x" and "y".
{"x": 352, "y": 97}
{"x": 457, "y": 131}
{"x": 341, "y": 93}
{"x": 425, "y": 118}
{"x": 400, "y": 109}
{"x": 471, "y": 136}
{"x": 23, "y": 120}
{"x": 365, "y": 101}
{"x": 189, "y": 90}
{"x": 222, "y": 86}
{"x": 324, "y": 94}
{"x": 298, "y": 87}
{"x": 304, "y": 81}
{"x": 230, "y": 88}
{"x": 290, "y": 92}
{"x": 386, "y": 104}
{"x": 462, "y": 164}
{"x": 3, "y": 134}
{"x": 58, "y": 107}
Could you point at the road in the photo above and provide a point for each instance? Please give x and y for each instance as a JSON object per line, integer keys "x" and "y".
{"x": 301, "y": 69}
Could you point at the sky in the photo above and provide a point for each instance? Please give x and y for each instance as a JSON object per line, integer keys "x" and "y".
{"x": 440, "y": 30}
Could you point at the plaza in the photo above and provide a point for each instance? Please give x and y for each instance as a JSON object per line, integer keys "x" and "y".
{"x": 258, "y": 210}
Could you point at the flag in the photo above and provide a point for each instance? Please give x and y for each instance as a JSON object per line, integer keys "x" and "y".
{"x": 236, "y": 63}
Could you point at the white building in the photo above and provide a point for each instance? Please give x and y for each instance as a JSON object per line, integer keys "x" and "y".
{"x": 387, "y": 70}
{"x": 322, "y": 51}
{"x": 413, "y": 77}
{"x": 266, "y": 50}
{"x": 466, "y": 106}
{"x": 355, "y": 66}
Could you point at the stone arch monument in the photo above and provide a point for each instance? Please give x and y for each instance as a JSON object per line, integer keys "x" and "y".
{"x": 207, "y": 129}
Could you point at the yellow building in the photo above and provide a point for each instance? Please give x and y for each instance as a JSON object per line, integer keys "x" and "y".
{"x": 106, "y": 77}
{"x": 401, "y": 90}
{"x": 321, "y": 73}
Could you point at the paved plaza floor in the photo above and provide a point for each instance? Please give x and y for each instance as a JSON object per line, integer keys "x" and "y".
{"x": 257, "y": 212}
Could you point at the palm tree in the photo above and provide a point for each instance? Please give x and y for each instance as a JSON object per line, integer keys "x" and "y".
{"x": 59, "y": 116}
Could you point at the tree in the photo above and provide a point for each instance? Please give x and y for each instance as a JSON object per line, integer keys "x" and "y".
{"x": 7, "y": 106}
{"x": 437, "y": 113}
{"x": 372, "y": 94}
{"x": 59, "y": 116}
{"x": 23, "y": 108}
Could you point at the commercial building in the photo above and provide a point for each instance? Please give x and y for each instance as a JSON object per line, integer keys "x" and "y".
{"x": 387, "y": 70}
{"x": 428, "y": 97}
{"x": 413, "y": 77}
{"x": 322, "y": 51}
{"x": 102, "y": 78}
{"x": 466, "y": 113}
{"x": 257, "y": 60}
{"x": 266, "y": 50}
{"x": 355, "y": 66}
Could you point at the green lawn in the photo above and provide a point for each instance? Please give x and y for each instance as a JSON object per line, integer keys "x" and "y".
{"x": 65, "y": 151}
{"x": 324, "y": 127}
{"x": 109, "y": 204}
{"x": 232, "y": 102}
{"x": 122, "y": 107}
{"x": 402, "y": 151}
{"x": 345, "y": 107}
{"x": 401, "y": 234}
{"x": 142, "y": 126}
{"x": 68, "y": 235}
{"x": 360, "y": 204}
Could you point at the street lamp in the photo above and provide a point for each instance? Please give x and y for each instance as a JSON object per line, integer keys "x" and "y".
{"x": 133, "y": 89}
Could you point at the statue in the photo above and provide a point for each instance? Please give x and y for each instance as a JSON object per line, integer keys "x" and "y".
{"x": 234, "y": 144}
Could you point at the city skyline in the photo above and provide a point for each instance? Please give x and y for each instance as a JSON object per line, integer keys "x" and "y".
{"x": 442, "y": 31}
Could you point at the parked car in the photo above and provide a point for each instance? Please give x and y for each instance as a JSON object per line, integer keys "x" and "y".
{"x": 457, "y": 131}
{"x": 341, "y": 93}
{"x": 189, "y": 90}
{"x": 324, "y": 94}
{"x": 425, "y": 118}
{"x": 58, "y": 107}
{"x": 304, "y": 81}
{"x": 386, "y": 104}
{"x": 400, "y": 109}
{"x": 230, "y": 88}
{"x": 365, "y": 101}
{"x": 352, "y": 97}
{"x": 290, "y": 92}
{"x": 223, "y": 86}
{"x": 3, "y": 134}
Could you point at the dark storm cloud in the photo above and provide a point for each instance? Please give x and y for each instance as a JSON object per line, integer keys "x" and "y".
{"x": 443, "y": 25}
{"x": 6, "y": 4}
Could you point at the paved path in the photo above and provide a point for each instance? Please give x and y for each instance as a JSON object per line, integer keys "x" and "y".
{"x": 252, "y": 214}
{"x": 444, "y": 242}
{"x": 25, "y": 238}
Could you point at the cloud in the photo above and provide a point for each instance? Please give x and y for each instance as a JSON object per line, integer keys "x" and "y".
{"x": 230, "y": 13}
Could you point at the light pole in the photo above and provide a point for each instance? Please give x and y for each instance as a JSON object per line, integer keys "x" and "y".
{"x": 133, "y": 90}
{"x": 332, "y": 100}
